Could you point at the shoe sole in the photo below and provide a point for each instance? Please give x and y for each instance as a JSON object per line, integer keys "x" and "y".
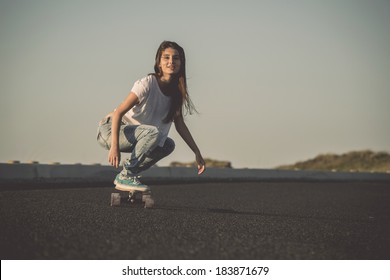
{"x": 127, "y": 188}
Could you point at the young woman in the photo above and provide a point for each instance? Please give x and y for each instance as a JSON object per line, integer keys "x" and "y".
{"x": 140, "y": 124}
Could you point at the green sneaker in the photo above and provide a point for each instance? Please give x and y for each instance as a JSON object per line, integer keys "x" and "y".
{"x": 129, "y": 184}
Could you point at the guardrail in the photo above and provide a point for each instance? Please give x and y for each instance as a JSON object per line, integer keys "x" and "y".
{"x": 63, "y": 172}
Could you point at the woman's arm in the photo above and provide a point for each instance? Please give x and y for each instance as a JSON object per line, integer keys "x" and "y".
{"x": 184, "y": 132}
{"x": 114, "y": 156}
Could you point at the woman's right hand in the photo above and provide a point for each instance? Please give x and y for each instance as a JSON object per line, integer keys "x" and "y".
{"x": 114, "y": 157}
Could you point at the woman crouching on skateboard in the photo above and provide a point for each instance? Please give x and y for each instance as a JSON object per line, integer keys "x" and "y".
{"x": 140, "y": 124}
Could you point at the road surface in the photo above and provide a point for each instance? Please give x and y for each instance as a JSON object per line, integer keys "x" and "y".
{"x": 231, "y": 220}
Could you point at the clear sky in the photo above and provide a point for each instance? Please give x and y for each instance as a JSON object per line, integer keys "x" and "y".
{"x": 275, "y": 82}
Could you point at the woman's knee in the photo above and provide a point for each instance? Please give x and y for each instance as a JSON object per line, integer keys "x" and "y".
{"x": 104, "y": 137}
{"x": 169, "y": 145}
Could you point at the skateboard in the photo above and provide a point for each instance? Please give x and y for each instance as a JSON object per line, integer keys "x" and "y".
{"x": 133, "y": 197}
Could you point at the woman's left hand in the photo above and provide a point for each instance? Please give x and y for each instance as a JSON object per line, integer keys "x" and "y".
{"x": 201, "y": 164}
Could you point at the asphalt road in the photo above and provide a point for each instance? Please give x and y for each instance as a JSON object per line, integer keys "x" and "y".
{"x": 259, "y": 220}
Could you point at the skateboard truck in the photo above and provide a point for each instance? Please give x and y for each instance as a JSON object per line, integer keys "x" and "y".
{"x": 134, "y": 197}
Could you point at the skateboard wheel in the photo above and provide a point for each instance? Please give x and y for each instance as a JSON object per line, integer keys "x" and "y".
{"x": 146, "y": 196}
{"x": 148, "y": 200}
{"x": 115, "y": 199}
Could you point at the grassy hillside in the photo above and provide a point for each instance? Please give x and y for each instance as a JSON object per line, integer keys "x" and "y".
{"x": 358, "y": 161}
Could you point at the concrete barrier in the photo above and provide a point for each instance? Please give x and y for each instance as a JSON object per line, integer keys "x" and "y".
{"x": 33, "y": 172}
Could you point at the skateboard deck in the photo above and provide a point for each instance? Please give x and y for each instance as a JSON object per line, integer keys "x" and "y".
{"x": 133, "y": 197}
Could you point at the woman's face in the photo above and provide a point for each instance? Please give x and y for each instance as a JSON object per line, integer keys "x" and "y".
{"x": 170, "y": 61}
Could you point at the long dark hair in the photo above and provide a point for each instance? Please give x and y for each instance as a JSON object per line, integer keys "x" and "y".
{"x": 181, "y": 99}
